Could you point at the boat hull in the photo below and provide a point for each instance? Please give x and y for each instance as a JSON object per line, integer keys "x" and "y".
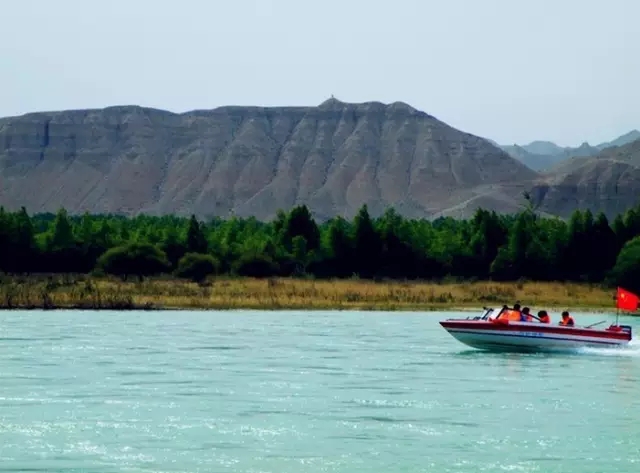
{"x": 532, "y": 336}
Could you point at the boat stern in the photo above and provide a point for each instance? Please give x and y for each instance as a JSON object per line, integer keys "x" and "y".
{"x": 626, "y": 330}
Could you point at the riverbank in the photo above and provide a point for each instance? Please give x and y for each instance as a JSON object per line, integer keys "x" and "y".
{"x": 84, "y": 292}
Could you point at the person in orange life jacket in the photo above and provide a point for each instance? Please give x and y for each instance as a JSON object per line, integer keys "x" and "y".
{"x": 501, "y": 314}
{"x": 510, "y": 314}
{"x": 567, "y": 319}
{"x": 525, "y": 316}
{"x": 544, "y": 317}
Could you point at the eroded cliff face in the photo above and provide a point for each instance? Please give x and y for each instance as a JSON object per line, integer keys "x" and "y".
{"x": 253, "y": 161}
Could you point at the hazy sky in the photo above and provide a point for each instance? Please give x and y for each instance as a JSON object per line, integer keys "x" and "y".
{"x": 510, "y": 70}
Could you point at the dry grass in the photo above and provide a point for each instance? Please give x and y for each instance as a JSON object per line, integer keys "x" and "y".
{"x": 245, "y": 293}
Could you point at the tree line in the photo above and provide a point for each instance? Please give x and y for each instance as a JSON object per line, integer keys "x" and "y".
{"x": 487, "y": 246}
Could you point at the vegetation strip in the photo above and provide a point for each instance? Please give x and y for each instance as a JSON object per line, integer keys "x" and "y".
{"x": 107, "y": 261}
{"x": 84, "y": 292}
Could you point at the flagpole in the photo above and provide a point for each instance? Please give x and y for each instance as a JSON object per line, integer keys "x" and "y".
{"x": 617, "y": 306}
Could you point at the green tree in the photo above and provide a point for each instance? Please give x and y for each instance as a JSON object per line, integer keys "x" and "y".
{"x": 299, "y": 252}
{"x": 172, "y": 246}
{"x": 134, "y": 259}
{"x": 367, "y": 244}
{"x": 24, "y": 251}
{"x": 337, "y": 248}
{"x": 197, "y": 267}
{"x": 299, "y": 223}
{"x": 256, "y": 266}
{"x": 6, "y": 239}
{"x": 602, "y": 248}
{"x": 626, "y": 272}
{"x": 488, "y": 235}
{"x": 524, "y": 245}
{"x": 196, "y": 240}
{"x": 511, "y": 259}
{"x": 63, "y": 252}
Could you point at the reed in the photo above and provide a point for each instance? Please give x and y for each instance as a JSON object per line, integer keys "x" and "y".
{"x": 85, "y": 292}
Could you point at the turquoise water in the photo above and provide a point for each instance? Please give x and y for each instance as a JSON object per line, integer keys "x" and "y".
{"x": 302, "y": 392}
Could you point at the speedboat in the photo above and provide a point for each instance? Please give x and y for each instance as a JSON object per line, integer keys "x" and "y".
{"x": 504, "y": 332}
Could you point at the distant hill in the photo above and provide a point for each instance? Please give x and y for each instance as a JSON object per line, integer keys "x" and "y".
{"x": 542, "y": 155}
{"x": 252, "y": 161}
{"x": 537, "y": 162}
{"x": 608, "y": 182}
{"x": 630, "y": 137}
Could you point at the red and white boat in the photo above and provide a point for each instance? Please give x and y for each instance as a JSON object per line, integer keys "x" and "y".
{"x": 495, "y": 331}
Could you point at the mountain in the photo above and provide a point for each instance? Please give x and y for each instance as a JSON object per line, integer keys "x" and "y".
{"x": 537, "y": 162}
{"x": 252, "y": 161}
{"x": 608, "y": 182}
{"x": 544, "y": 148}
{"x": 543, "y": 155}
{"x": 630, "y": 137}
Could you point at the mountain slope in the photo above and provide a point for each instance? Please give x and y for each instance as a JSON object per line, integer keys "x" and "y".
{"x": 622, "y": 140}
{"x": 253, "y": 161}
{"x": 608, "y": 182}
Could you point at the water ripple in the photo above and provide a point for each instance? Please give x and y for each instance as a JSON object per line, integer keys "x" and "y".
{"x": 301, "y": 392}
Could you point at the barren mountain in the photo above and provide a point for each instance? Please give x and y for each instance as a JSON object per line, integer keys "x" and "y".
{"x": 608, "y": 182}
{"x": 254, "y": 161}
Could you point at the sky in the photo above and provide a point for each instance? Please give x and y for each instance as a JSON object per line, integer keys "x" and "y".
{"x": 510, "y": 70}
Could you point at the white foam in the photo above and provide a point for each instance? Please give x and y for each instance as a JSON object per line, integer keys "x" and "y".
{"x": 630, "y": 350}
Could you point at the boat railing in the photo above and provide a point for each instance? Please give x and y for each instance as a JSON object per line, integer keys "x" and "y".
{"x": 623, "y": 328}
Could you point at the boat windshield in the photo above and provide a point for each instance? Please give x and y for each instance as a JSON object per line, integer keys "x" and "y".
{"x": 488, "y": 314}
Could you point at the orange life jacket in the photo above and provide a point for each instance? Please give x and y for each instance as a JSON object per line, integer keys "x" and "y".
{"x": 511, "y": 315}
{"x": 545, "y": 319}
{"x": 567, "y": 321}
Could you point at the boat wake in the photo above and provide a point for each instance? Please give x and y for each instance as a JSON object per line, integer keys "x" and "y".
{"x": 631, "y": 350}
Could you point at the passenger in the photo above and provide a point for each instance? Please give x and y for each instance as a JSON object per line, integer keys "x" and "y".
{"x": 515, "y": 315}
{"x": 567, "y": 320}
{"x": 525, "y": 316}
{"x": 544, "y": 317}
{"x": 510, "y": 314}
{"x": 516, "y": 306}
{"x": 502, "y": 314}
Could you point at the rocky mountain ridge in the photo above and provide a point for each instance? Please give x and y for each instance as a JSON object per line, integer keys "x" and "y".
{"x": 253, "y": 161}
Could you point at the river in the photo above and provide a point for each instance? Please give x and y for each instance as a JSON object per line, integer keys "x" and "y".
{"x": 296, "y": 392}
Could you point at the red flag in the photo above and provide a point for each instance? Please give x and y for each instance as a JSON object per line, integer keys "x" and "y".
{"x": 626, "y": 300}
